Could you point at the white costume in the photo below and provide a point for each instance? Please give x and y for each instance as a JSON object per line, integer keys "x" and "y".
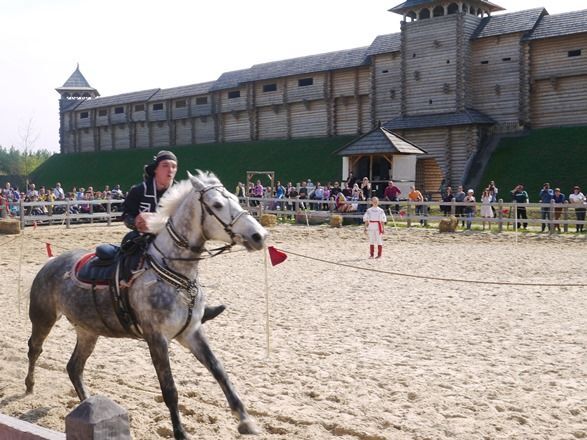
{"x": 376, "y": 218}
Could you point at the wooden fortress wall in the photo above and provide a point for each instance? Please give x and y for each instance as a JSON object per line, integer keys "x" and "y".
{"x": 439, "y": 69}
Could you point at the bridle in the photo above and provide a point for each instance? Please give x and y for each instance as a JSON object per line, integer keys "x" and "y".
{"x": 182, "y": 242}
{"x": 178, "y": 280}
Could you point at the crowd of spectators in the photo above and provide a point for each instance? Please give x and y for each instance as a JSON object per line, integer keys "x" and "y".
{"x": 80, "y": 197}
{"x": 546, "y": 197}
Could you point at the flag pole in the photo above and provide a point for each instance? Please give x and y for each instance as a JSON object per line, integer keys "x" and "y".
{"x": 267, "y": 327}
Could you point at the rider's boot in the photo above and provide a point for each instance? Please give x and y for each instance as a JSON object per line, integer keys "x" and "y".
{"x": 212, "y": 312}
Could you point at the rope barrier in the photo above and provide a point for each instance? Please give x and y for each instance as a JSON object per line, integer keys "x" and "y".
{"x": 423, "y": 277}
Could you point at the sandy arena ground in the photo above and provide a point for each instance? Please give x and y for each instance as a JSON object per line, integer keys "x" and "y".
{"x": 354, "y": 354}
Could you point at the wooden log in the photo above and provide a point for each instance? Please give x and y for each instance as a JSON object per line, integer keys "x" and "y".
{"x": 15, "y": 429}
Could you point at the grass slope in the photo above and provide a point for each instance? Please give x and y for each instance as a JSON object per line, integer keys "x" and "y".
{"x": 554, "y": 155}
{"x": 292, "y": 160}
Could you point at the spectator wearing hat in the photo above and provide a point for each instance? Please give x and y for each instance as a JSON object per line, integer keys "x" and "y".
{"x": 559, "y": 198}
{"x": 578, "y": 200}
{"x": 470, "y": 207}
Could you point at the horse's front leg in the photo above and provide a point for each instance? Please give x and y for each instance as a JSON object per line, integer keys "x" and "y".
{"x": 159, "y": 349}
{"x": 198, "y": 344}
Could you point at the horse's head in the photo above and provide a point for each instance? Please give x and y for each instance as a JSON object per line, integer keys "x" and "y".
{"x": 221, "y": 216}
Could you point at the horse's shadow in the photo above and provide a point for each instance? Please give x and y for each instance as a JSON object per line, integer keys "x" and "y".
{"x": 32, "y": 416}
{"x": 8, "y": 400}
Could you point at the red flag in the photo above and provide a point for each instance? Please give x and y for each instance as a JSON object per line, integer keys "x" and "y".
{"x": 49, "y": 251}
{"x": 276, "y": 256}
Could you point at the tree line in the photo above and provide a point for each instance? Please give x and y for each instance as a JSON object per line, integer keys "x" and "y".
{"x": 14, "y": 162}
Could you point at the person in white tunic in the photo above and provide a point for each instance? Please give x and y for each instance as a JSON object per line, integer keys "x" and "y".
{"x": 375, "y": 220}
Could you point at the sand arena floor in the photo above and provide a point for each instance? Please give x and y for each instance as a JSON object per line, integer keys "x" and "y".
{"x": 354, "y": 354}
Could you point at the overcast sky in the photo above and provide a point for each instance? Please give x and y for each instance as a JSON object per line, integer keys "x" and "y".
{"x": 130, "y": 45}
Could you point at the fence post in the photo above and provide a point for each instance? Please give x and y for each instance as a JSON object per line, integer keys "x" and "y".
{"x": 21, "y": 212}
{"x": 67, "y": 214}
{"x": 453, "y": 207}
{"x": 500, "y": 215}
{"x": 566, "y": 216}
{"x": 551, "y": 219}
{"x": 409, "y": 214}
{"x": 109, "y": 211}
{"x": 92, "y": 213}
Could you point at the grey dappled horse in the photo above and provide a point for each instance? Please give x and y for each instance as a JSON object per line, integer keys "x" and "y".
{"x": 166, "y": 298}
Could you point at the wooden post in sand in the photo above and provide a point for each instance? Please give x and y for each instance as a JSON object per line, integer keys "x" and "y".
{"x": 500, "y": 215}
{"x": 97, "y": 418}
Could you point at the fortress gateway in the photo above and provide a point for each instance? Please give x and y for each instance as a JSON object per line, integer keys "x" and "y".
{"x": 452, "y": 78}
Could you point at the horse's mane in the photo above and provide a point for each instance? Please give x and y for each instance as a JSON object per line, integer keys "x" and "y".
{"x": 175, "y": 195}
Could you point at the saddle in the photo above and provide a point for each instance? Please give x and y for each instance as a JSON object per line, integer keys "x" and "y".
{"x": 110, "y": 266}
{"x": 99, "y": 268}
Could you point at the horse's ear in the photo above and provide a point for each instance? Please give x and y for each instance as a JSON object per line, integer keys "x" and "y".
{"x": 196, "y": 182}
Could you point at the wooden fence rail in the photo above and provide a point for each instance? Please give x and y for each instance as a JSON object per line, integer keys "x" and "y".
{"x": 552, "y": 216}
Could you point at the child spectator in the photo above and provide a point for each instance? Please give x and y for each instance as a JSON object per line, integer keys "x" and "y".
{"x": 375, "y": 220}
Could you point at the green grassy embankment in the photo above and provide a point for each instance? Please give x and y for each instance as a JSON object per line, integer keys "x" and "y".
{"x": 291, "y": 160}
{"x": 554, "y": 155}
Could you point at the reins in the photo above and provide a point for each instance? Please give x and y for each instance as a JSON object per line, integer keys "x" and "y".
{"x": 178, "y": 280}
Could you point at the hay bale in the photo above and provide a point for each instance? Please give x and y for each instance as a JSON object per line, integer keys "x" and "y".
{"x": 9, "y": 226}
{"x": 268, "y": 220}
{"x": 448, "y": 224}
{"x": 336, "y": 221}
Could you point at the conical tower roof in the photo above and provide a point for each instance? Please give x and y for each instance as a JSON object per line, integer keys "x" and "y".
{"x": 77, "y": 83}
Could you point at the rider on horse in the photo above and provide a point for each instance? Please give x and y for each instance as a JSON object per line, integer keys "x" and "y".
{"x": 142, "y": 201}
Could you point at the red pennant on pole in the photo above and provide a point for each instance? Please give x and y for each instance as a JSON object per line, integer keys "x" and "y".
{"x": 276, "y": 256}
{"x": 49, "y": 251}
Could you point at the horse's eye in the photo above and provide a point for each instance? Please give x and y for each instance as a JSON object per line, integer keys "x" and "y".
{"x": 217, "y": 205}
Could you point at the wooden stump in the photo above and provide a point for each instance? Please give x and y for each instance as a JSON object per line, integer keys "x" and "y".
{"x": 97, "y": 418}
{"x": 448, "y": 224}
{"x": 9, "y": 226}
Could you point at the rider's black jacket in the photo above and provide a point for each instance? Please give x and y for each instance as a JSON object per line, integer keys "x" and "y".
{"x": 141, "y": 198}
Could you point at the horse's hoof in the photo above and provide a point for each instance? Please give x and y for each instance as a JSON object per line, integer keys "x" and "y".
{"x": 248, "y": 427}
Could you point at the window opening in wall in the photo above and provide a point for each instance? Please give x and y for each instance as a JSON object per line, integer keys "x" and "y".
{"x": 84, "y": 115}
{"x": 202, "y": 100}
{"x": 424, "y": 13}
{"x": 158, "y": 107}
{"x": 305, "y": 82}
{"x": 453, "y": 8}
{"x": 413, "y": 55}
{"x": 429, "y": 101}
{"x": 102, "y": 113}
{"x": 574, "y": 53}
{"x": 447, "y": 61}
{"x": 485, "y": 62}
{"x": 118, "y": 110}
{"x": 506, "y": 59}
{"x": 385, "y": 71}
{"x": 269, "y": 87}
{"x": 140, "y": 108}
{"x": 392, "y": 93}
{"x": 438, "y": 11}
{"x": 180, "y": 104}
{"x": 234, "y": 94}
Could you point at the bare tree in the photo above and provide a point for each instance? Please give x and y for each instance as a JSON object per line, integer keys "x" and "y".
{"x": 28, "y": 138}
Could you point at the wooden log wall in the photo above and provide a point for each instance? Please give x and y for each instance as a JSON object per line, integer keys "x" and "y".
{"x": 205, "y": 133}
{"x": 465, "y": 90}
{"x": 272, "y": 122}
{"x": 308, "y": 119}
{"x": 495, "y": 79}
{"x": 558, "y": 81}
{"x": 386, "y": 86}
{"x": 429, "y": 58}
